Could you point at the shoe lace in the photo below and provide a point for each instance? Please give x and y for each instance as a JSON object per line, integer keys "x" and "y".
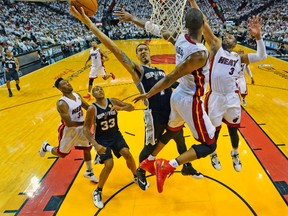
{"x": 235, "y": 158}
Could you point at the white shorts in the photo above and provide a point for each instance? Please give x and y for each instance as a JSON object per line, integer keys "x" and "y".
{"x": 69, "y": 137}
{"x": 241, "y": 82}
{"x": 224, "y": 108}
{"x": 190, "y": 109}
{"x": 95, "y": 71}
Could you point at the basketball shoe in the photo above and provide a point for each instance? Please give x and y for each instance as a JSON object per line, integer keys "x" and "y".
{"x": 215, "y": 161}
{"x": 141, "y": 178}
{"x": 163, "y": 170}
{"x": 89, "y": 174}
{"x": 18, "y": 87}
{"x": 10, "y": 93}
{"x": 112, "y": 75}
{"x": 189, "y": 170}
{"x": 97, "y": 199}
{"x": 236, "y": 161}
{"x": 43, "y": 149}
{"x": 148, "y": 165}
{"x": 88, "y": 96}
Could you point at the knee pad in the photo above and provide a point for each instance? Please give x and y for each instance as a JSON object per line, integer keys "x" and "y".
{"x": 204, "y": 149}
{"x": 91, "y": 81}
{"x": 168, "y": 135}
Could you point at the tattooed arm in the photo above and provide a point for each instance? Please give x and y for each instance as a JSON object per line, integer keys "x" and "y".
{"x": 130, "y": 66}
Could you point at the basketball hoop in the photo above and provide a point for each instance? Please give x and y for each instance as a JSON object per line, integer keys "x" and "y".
{"x": 169, "y": 15}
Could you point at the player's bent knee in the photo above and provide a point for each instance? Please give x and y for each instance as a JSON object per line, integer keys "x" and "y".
{"x": 168, "y": 135}
{"x": 204, "y": 149}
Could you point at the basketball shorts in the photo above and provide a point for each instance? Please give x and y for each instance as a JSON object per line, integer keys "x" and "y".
{"x": 113, "y": 143}
{"x": 188, "y": 108}
{"x": 69, "y": 137}
{"x": 95, "y": 71}
{"x": 241, "y": 82}
{"x": 9, "y": 76}
{"x": 224, "y": 107}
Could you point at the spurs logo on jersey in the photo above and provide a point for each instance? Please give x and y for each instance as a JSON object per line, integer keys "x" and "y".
{"x": 150, "y": 76}
{"x": 106, "y": 119}
{"x": 96, "y": 58}
{"x": 195, "y": 82}
{"x": 75, "y": 108}
{"x": 10, "y": 63}
{"x": 224, "y": 72}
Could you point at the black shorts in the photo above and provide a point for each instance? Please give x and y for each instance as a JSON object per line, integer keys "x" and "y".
{"x": 11, "y": 75}
{"x": 113, "y": 143}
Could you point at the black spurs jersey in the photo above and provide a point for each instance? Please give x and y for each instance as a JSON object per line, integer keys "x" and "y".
{"x": 161, "y": 101}
{"x": 105, "y": 119}
{"x": 10, "y": 64}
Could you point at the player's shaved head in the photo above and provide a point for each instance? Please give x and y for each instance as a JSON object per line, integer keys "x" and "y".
{"x": 194, "y": 20}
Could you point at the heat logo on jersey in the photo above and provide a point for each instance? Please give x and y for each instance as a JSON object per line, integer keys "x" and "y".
{"x": 227, "y": 61}
{"x": 76, "y": 110}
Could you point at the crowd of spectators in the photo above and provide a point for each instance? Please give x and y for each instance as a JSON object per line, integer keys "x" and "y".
{"x": 28, "y": 26}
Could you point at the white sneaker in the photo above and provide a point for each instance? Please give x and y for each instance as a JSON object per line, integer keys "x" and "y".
{"x": 236, "y": 161}
{"x": 97, "y": 199}
{"x": 89, "y": 174}
{"x": 215, "y": 161}
{"x": 244, "y": 102}
{"x": 43, "y": 149}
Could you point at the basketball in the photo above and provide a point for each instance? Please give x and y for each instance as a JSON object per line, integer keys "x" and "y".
{"x": 89, "y": 6}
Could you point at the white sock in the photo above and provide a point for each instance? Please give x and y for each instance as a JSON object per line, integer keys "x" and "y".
{"x": 235, "y": 151}
{"x": 151, "y": 157}
{"x": 89, "y": 165}
{"x": 173, "y": 163}
{"x": 49, "y": 148}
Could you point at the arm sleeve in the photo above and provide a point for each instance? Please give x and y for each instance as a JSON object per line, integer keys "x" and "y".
{"x": 261, "y": 52}
{"x": 249, "y": 71}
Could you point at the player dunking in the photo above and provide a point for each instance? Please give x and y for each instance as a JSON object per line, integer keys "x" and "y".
{"x": 186, "y": 101}
{"x": 144, "y": 76}
{"x": 98, "y": 57}
{"x": 222, "y": 101}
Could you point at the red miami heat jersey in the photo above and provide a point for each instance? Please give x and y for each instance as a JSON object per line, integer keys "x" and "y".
{"x": 75, "y": 108}
{"x": 224, "y": 72}
{"x": 195, "y": 82}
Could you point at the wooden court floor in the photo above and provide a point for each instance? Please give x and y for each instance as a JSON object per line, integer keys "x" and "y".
{"x": 30, "y": 185}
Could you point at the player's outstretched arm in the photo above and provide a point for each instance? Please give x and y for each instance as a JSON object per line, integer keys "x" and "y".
{"x": 120, "y": 105}
{"x": 213, "y": 42}
{"x": 255, "y": 23}
{"x": 150, "y": 27}
{"x": 192, "y": 63}
{"x": 131, "y": 66}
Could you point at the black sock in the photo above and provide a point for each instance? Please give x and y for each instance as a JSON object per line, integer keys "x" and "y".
{"x": 99, "y": 189}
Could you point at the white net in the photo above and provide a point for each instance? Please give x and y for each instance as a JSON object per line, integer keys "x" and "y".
{"x": 169, "y": 15}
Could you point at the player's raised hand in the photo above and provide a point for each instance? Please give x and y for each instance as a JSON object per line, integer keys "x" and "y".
{"x": 255, "y": 23}
{"x": 80, "y": 16}
{"x": 123, "y": 16}
{"x": 140, "y": 97}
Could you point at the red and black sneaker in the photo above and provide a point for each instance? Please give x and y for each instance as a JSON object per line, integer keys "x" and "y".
{"x": 163, "y": 170}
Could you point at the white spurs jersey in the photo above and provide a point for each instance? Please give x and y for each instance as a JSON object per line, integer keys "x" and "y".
{"x": 224, "y": 72}
{"x": 195, "y": 82}
{"x": 96, "y": 58}
{"x": 75, "y": 108}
